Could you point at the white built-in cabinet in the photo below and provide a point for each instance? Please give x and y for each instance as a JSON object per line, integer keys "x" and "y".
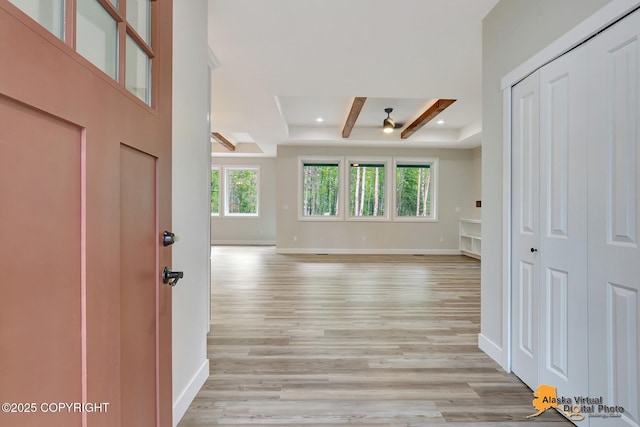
{"x": 471, "y": 237}
{"x": 575, "y": 223}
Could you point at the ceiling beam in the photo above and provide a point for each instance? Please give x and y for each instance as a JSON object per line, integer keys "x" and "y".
{"x": 223, "y": 141}
{"x": 436, "y": 108}
{"x": 356, "y": 107}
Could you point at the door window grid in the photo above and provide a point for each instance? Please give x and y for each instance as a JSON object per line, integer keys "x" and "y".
{"x": 105, "y": 39}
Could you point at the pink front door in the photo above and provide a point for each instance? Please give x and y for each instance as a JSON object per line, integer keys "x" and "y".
{"x": 85, "y": 321}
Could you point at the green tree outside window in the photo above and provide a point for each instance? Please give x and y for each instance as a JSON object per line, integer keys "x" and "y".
{"x": 320, "y": 195}
{"x": 215, "y": 191}
{"x": 242, "y": 192}
{"x": 366, "y": 190}
{"x": 413, "y": 191}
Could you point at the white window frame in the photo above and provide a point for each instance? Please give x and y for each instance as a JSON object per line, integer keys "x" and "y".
{"x": 417, "y": 161}
{"x": 226, "y": 191}
{"x": 339, "y": 160}
{"x": 220, "y": 188}
{"x": 384, "y": 161}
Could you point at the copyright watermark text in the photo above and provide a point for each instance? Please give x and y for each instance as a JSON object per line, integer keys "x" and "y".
{"x": 55, "y": 407}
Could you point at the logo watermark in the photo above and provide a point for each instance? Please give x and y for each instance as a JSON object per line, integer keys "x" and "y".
{"x": 574, "y": 408}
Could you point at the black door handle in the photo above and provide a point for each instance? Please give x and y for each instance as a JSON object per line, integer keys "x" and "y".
{"x": 171, "y": 277}
{"x": 534, "y": 250}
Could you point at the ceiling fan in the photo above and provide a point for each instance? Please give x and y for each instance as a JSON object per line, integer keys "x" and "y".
{"x": 388, "y": 124}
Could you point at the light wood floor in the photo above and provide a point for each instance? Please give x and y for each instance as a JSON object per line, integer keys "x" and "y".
{"x": 329, "y": 340}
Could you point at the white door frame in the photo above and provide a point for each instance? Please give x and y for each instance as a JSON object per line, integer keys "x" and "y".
{"x": 603, "y": 18}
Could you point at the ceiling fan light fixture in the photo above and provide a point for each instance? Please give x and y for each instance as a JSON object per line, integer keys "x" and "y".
{"x": 388, "y": 125}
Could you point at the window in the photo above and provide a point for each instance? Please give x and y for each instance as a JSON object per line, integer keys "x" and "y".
{"x": 241, "y": 191}
{"x": 368, "y": 189}
{"x": 215, "y": 191}
{"x": 415, "y": 181}
{"x": 320, "y": 188}
{"x": 367, "y": 195}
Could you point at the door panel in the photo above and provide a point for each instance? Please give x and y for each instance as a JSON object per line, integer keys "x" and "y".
{"x": 524, "y": 199}
{"x": 90, "y": 321}
{"x": 40, "y": 318}
{"x": 563, "y": 225}
{"x": 614, "y": 285}
{"x": 138, "y": 287}
{"x": 527, "y": 340}
{"x": 557, "y": 306}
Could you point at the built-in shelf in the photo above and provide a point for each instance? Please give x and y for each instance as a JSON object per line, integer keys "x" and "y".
{"x": 471, "y": 237}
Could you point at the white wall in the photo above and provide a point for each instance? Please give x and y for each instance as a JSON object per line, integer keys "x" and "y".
{"x": 190, "y": 189}
{"x": 476, "y": 180}
{"x": 251, "y": 230}
{"x": 454, "y": 182}
{"x": 512, "y": 32}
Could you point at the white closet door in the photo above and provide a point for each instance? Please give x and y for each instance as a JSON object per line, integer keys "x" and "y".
{"x": 614, "y": 218}
{"x": 563, "y": 225}
{"x": 525, "y": 228}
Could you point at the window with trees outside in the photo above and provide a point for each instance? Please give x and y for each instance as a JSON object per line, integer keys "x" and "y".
{"x": 414, "y": 189}
{"x": 320, "y": 188}
{"x": 367, "y": 195}
{"x": 215, "y": 191}
{"x": 241, "y": 191}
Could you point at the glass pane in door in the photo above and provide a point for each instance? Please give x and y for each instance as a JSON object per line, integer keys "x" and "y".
{"x": 97, "y": 36}
{"x": 139, "y": 16}
{"x": 48, "y": 13}
{"x": 138, "y": 71}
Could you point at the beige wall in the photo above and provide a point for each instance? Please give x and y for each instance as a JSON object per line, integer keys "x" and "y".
{"x": 249, "y": 231}
{"x": 455, "y": 191}
{"x": 512, "y": 32}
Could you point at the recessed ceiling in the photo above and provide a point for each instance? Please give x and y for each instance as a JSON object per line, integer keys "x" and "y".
{"x": 284, "y": 63}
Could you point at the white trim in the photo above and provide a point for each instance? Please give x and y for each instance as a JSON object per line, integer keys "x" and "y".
{"x": 473, "y": 221}
{"x": 470, "y": 254}
{"x": 505, "y": 359}
{"x": 216, "y": 242}
{"x": 342, "y": 251}
{"x": 604, "y": 17}
{"x": 182, "y": 402}
{"x": 490, "y": 348}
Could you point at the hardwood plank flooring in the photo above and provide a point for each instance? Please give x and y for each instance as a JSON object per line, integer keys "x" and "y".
{"x": 327, "y": 340}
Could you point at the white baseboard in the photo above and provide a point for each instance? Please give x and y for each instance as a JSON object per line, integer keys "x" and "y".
{"x": 243, "y": 242}
{"x": 341, "y": 251}
{"x": 492, "y": 349}
{"x": 182, "y": 402}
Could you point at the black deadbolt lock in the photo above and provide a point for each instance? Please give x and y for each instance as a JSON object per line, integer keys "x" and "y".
{"x": 168, "y": 238}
